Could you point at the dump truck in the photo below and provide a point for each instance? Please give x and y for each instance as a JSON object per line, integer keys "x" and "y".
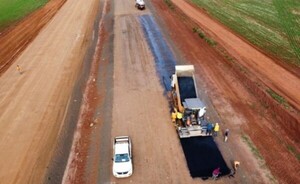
{"x": 186, "y": 102}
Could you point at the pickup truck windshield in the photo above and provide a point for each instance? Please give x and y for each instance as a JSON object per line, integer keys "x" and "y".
{"x": 121, "y": 158}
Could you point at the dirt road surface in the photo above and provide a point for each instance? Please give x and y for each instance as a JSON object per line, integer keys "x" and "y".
{"x": 33, "y": 103}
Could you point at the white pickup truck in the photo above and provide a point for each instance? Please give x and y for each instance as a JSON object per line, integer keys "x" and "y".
{"x": 140, "y": 4}
{"x": 122, "y": 158}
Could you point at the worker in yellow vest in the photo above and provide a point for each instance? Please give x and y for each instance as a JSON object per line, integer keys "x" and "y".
{"x": 216, "y": 129}
{"x": 179, "y": 118}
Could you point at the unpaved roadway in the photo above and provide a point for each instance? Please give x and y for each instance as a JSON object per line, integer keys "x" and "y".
{"x": 33, "y": 104}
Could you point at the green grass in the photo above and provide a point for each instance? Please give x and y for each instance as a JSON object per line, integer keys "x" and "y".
{"x": 272, "y": 25}
{"x": 293, "y": 150}
{"x": 257, "y": 154}
{"x": 202, "y": 35}
{"x": 252, "y": 147}
{"x": 14, "y": 10}
{"x": 278, "y": 98}
{"x": 169, "y": 4}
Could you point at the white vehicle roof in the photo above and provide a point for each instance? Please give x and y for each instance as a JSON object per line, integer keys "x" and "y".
{"x": 140, "y": 1}
{"x": 121, "y": 148}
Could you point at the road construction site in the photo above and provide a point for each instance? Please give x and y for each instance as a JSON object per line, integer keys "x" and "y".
{"x": 101, "y": 69}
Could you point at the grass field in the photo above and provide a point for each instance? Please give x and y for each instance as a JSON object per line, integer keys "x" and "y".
{"x": 273, "y": 25}
{"x": 13, "y": 10}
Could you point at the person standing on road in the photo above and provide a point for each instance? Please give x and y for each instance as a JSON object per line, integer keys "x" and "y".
{"x": 216, "y": 129}
{"x": 232, "y": 173}
{"x": 216, "y": 173}
{"x": 19, "y": 69}
{"x": 236, "y": 164}
{"x": 209, "y": 129}
{"x": 173, "y": 116}
{"x": 179, "y": 118}
{"x": 226, "y": 134}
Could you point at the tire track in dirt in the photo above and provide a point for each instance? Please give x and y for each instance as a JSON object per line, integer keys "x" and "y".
{"x": 75, "y": 169}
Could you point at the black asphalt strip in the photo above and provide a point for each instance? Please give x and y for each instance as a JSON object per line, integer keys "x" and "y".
{"x": 203, "y": 156}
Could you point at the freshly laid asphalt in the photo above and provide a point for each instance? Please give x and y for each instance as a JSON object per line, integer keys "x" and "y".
{"x": 203, "y": 156}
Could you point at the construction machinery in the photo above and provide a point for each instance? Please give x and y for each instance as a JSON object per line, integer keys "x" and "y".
{"x": 192, "y": 121}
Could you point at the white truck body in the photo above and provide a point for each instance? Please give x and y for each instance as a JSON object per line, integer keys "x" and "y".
{"x": 140, "y": 4}
{"x": 122, "y": 158}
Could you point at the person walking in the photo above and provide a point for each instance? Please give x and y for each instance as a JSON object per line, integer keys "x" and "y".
{"x": 216, "y": 129}
{"x": 232, "y": 173}
{"x": 216, "y": 173}
{"x": 226, "y": 135}
{"x": 19, "y": 69}
{"x": 236, "y": 164}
